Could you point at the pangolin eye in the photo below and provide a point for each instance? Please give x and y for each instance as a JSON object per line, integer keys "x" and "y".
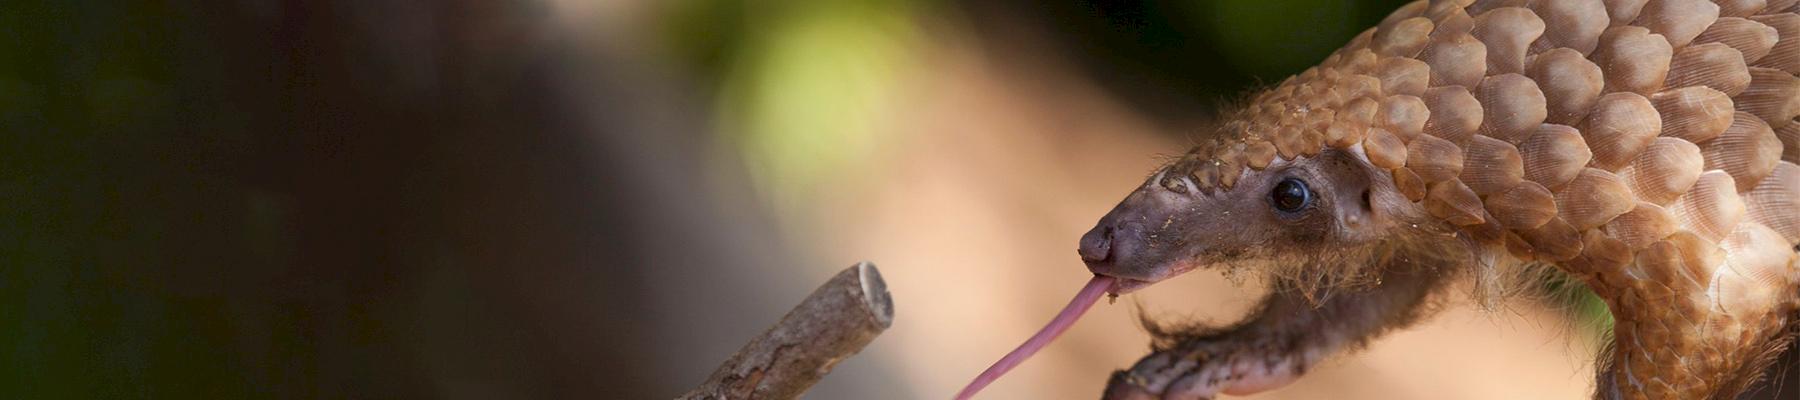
{"x": 1291, "y": 195}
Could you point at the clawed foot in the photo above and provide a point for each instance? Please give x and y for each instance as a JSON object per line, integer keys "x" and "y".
{"x": 1205, "y": 369}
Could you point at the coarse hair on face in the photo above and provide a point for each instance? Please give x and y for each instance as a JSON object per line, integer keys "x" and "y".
{"x": 1354, "y": 226}
{"x": 1363, "y": 228}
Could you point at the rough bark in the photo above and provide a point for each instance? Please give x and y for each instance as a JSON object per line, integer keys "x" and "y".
{"x": 835, "y": 322}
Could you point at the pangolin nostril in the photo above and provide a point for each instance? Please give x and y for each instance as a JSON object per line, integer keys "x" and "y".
{"x": 1096, "y": 245}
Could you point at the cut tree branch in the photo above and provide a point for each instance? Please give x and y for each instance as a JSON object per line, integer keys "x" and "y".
{"x": 833, "y": 323}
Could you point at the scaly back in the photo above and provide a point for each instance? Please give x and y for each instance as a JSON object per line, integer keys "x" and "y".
{"x": 1648, "y": 147}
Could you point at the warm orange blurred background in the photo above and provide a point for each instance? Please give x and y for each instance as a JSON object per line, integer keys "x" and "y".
{"x": 604, "y": 199}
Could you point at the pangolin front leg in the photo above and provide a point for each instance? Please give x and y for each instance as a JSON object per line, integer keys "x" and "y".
{"x": 1287, "y": 335}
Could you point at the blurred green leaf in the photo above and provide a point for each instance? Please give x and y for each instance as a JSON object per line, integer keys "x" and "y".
{"x": 806, "y": 95}
{"x": 1588, "y": 311}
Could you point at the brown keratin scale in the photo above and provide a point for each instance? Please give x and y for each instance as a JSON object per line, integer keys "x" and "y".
{"x": 1646, "y": 147}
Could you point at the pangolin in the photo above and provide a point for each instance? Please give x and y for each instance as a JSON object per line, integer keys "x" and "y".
{"x": 1648, "y": 148}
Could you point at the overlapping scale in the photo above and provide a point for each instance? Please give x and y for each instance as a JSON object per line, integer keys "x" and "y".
{"x": 1455, "y": 203}
{"x": 1554, "y": 155}
{"x": 1403, "y": 115}
{"x": 1384, "y": 149}
{"x": 1644, "y": 225}
{"x": 1593, "y": 198}
{"x": 1455, "y": 113}
{"x": 1785, "y": 54}
{"x": 1507, "y": 34}
{"x": 1633, "y": 59}
{"x": 1780, "y": 6}
{"x": 1664, "y": 171}
{"x": 1748, "y": 150}
{"x": 1775, "y": 202}
{"x": 1434, "y": 159}
{"x": 1403, "y": 38}
{"x": 1762, "y": 257}
{"x": 1678, "y": 21}
{"x": 1751, "y": 39}
{"x": 1623, "y": 11}
{"x": 1790, "y": 141}
{"x": 1712, "y": 208}
{"x": 1621, "y": 125}
{"x": 1739, "y": 8}
{"x": 1712, "y": 65}
{"x": 1493, "y": 165}
{"x": 1572, "y": 24}
{"x": 1570, "y": 82}
{"x": 1555, "y": 240}
{"x": 1694, "y": 113}
{"x": 1512, "y": 107}
{"x": 1773, "y": 95}
{"x": 1524, "y": 207}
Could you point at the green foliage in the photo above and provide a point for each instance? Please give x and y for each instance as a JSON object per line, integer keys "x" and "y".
{"x": 1588, "y": 311}
{"x": 803, "y": 86}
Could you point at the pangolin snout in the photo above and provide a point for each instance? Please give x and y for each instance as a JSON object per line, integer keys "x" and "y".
{"x": 1114, "y": 244}
{"x": 1134, "y": 242}
{"x": 1096, "y": 246}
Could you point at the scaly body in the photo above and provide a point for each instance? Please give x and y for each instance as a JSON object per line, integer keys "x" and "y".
{"x": 1648, "y": 148}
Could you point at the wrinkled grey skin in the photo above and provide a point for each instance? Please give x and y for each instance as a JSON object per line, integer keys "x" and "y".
{"x": 1167, "y": 227}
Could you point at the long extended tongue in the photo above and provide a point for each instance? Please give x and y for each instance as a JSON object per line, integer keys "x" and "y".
{"x": 1083, "y": 300}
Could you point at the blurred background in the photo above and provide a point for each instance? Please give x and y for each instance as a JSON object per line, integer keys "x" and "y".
{"x": 604, "y": 199}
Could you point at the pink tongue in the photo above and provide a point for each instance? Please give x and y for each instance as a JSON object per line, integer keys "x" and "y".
{"x": 1083, "y": 300}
